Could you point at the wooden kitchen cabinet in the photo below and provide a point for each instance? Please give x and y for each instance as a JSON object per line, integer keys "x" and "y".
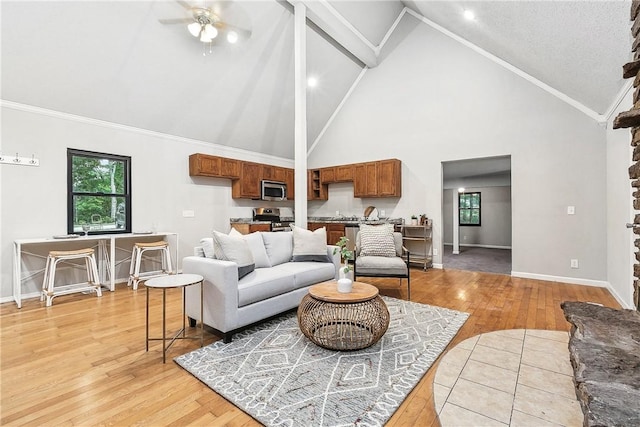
{"x": 248, "y": 186}
{"x": 365, "y": 180}
{"x": 290, "y": 180}
{"x": 334, "y": 230}
{"x": 389, "y": 175}
{"x": 344, "y": 173}
{"x": 327, "y": 175}
{"x": 378, "y": 179}
{"x": 334, "y": 233}
{"x": 273, "y": 173}
{"x": 246, "y": 228}
{"x": 316, "y": 190}
{"x": 213, "y": 166}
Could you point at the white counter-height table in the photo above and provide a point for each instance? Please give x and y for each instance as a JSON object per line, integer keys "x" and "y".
{"x": 106, "y": 245}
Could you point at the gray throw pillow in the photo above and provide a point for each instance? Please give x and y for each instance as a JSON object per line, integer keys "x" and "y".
{"x": 236, "y": 249}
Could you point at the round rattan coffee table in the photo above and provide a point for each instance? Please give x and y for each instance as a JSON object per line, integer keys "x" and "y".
{"x": 343, "y": 321}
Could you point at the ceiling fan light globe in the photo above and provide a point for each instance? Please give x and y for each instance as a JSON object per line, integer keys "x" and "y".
{"x": 232, "y": 37}
{"x": 210, "y": 31}
{"x": 204, "y": 38}
{"x": 194, "y": 28}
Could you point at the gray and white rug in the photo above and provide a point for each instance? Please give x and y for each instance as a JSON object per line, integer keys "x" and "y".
{"x": 279, "y": 377}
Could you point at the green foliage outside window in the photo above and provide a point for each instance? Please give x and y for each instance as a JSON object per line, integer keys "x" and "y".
{"x": 469, "y": 208}
{"x": 99, "y": 197}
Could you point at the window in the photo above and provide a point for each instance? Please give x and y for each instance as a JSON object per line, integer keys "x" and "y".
{"x": 469, "y": 208}
{"x": 98, "y": 192}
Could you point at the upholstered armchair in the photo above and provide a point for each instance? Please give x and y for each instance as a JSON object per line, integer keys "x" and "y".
{"x": 380, "y": 253}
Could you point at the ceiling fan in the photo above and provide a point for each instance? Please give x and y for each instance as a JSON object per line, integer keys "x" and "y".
{"x": 213, "y": 22}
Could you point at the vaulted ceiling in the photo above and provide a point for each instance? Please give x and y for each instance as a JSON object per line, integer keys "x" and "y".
{"x": 116, "y": 62}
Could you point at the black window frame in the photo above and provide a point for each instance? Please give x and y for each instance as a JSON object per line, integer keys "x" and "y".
{"x": 71, "y": 194}
{"x": 460, "y": 209}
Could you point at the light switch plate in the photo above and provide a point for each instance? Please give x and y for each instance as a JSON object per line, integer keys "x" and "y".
{"x": 571, "y": 210}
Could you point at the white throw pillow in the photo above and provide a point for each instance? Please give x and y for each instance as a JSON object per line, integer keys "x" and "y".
{"x": 377, "y": 240}
{"x": 256, "y": 244}
{"x": 309, "y": 245}
{"x": 207, "y": 247}
{"x": 236, "y": 249}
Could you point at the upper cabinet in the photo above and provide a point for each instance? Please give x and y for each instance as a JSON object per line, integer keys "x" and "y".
{"x": 343, "y": 173}
{"x": 378, "y": 179}
{"x": 274, "y": 173}
{"x": 213, "y": 166}
{"x": 389, "y": 176}
{"x": 248, "y": 186}
{"x": 316, "y": 189}
{"x": 382, "y": 178}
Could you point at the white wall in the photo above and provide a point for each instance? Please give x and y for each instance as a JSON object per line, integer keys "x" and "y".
{"x": 34, "y": 199}
{"x": 495, "y": 220}
{"x": 619, "y": 210}
{"x": 433, "y": 100}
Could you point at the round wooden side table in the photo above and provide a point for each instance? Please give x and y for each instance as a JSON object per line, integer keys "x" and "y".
{"x": 168, "y": 282}
{"x": 343, "y": 321}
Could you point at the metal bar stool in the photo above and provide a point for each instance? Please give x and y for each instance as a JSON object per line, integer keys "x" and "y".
{"x": 136, "y": 260}
{"x": 49, "y": 291}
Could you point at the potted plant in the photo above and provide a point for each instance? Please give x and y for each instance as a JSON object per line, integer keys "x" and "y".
{"x": 344, "y": 283}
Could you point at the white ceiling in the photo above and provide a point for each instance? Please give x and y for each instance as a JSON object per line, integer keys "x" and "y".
{"x": 114, "y": 61}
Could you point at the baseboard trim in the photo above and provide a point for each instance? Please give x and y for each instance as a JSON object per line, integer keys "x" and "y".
{"x": 471, "y": 245}
{"x": 562, "y": 279}
{"x": 438, "y": 266}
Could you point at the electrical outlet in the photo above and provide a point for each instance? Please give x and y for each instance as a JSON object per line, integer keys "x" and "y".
{"x": 435, "y": 252}
{"x": 571, "y": 210}
{"x": 337, "y": 213}
{"x": 383, "y": 214}
{"x": 188, "y": 214}
{"x": 464, "y": 237}
{"x": 574, "y": 263}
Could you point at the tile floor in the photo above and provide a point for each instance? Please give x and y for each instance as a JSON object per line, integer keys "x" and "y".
{"x": 517, "y": 377}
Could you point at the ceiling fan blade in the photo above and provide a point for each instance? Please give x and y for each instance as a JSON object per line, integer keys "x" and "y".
{"x": 184, "y": 4}
{"x": 175, "y": 21}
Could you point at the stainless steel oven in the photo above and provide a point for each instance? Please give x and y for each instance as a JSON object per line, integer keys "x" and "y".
{"x": 273, "y": 190}
{"x": 273, "y": 216}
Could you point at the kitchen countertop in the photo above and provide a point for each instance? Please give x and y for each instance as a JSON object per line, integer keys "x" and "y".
{"x": 347, "y": 220}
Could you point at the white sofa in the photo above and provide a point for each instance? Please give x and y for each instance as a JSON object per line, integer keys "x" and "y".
{"x": 231, "y": 303}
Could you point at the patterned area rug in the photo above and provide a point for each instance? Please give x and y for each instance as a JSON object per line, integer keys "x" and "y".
{"x": 279, "y": 377}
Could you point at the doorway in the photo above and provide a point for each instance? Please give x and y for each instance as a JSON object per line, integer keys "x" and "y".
{"x": 476, "y": 212}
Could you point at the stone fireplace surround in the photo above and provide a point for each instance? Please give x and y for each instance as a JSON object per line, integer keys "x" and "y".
{"x": 604, "y": 350}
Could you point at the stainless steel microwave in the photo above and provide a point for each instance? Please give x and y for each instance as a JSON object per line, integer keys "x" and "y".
{"x": 273, "y": 190}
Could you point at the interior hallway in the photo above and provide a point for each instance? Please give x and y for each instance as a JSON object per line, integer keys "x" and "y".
{"x": 472, "y": 258}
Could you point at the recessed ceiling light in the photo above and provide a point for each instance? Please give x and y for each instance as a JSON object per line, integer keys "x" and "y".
{"x": 312, "y": 82}
{"x": 469, "y": 15}
{"x": 461, "y": 190}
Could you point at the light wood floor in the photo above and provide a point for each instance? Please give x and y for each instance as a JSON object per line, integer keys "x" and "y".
{"x": 83, "y": 360}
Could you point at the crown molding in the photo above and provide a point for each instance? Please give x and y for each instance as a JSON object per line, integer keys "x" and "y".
{"x": 210, "y": 146}
{"x": 618, "y": 100}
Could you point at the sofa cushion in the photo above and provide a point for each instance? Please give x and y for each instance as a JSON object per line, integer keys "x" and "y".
{"x": 309, "y": 245}
{"x": 310, "y": 273}
{"x": 236, "y": 249}
{"x": 380, "y": 265}
{"x": 264, "y": 283}
{"x": 256, "y": 245}
{"x": 279, "y": 246}
{"x": 377, "y": 240}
